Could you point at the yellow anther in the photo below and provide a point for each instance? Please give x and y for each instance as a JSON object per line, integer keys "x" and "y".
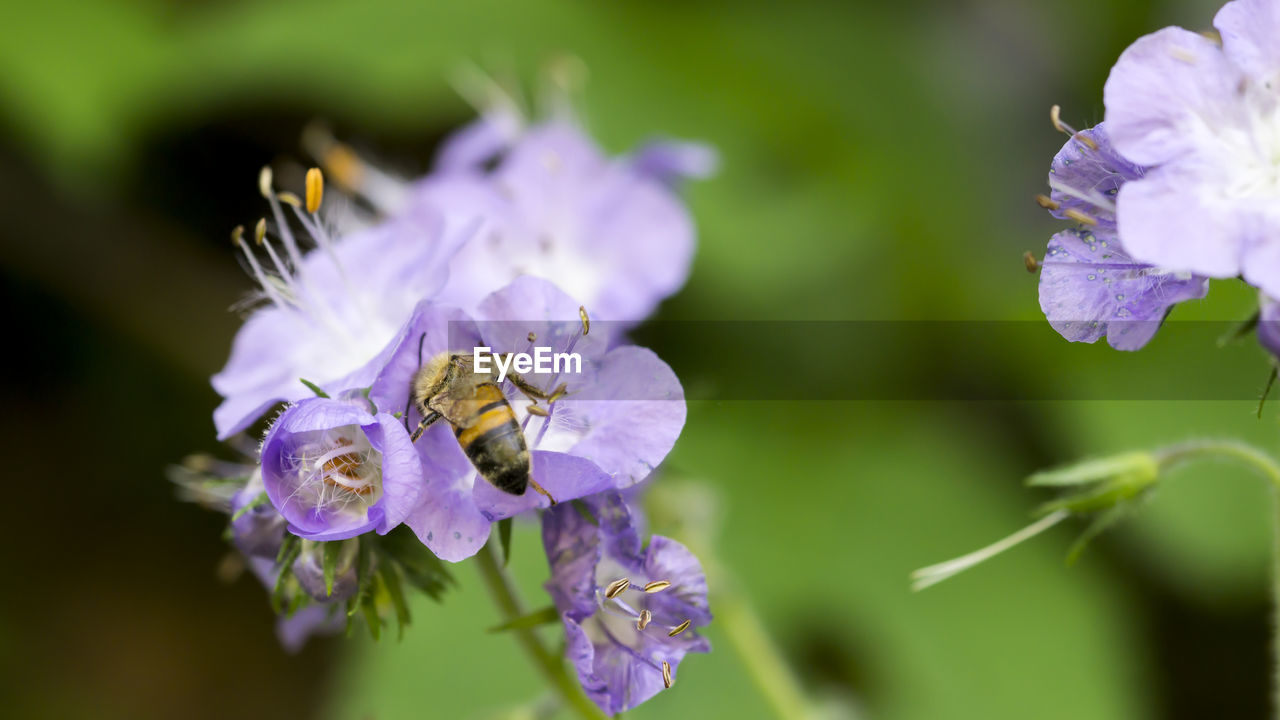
{"x": 586, "y": 321}
{"x": 264, "y": 181}
{"x": 237, "y": 235}
{"x": 1080, "y": 217}
{"x": 680, "y": 628}
{"x": 537, "y": 410}
{"x": 1030, "y": 261}
{"x": 1047, "y": 202}
{"x": 657, "y": 586}
{"x": 289, "y": 198}
{"x": 616, "y": 588}
{"x": 315, "y": 190}
{"x": 260, "y": 230}
{"x": 533, "y": 337}
{"x": 642, "y": 622}
{"x": 666, "y": 674}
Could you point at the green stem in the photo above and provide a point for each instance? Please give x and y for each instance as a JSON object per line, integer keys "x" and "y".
{"x": 756, "y": 650}
{"x": 1265, "y": 464}
{"x": 507, "y": 598}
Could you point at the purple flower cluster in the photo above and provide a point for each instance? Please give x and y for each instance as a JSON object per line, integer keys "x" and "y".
{"x": 522, "y": 235}
{"x": 1179, "y": 184}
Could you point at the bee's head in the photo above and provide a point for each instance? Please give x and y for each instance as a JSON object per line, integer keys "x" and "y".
{"x": 430, "y": 378}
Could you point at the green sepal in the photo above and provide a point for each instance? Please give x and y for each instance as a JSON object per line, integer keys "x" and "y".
{"x": 421, "y": 568}
{"x": 1136, "y": 464}
{"x": 1100, "y": 523}
{"x": 329, "y": 562}
{"x": 1102, "y": 496}
{"x": 585, "y": 511}
{"x": 545, "y": 616}
{"x": 258, "y": 501}
{"x": 369, "y": 607}
{"x": 314, "y": 388}
{"x": 504, "y": 539}
{"x": 391, "y": 580}
{"x": 1240, "y": 329}
{"x": 290, "y": 548}
{"x": 1271, "y": 380}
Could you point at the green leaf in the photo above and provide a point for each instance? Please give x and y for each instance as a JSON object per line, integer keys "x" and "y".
{"x": 258, "y": 501}
{"x": 289, "y": 550}
{"x": 421, "y": 568}
{"x": 370, "y": 609}
{"x": 504, "y": 538}
{"x": 545, "y": 616}
{"x": 314, "y": 388}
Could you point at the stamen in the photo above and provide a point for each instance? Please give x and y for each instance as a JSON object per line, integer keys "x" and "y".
{"x": 260, "y": 231}
{"x": 615, "y": 588}
{"x": 260, "y": 234}
{"x": 1080, "y": 217}
{"x": 1030, "y": 262}
{"x": 237, "y": 239}
{"x": 1047, "y": 202}
{"x": 666, "y": 674}
{"x": 680, "y": 628}
{"x": 237, "y": 236}
{"x": 533, "y": 337}
{"x": 1054, "y": 116}
{"x": 264, "y": 187}
{"x": 315, "y": 190}
{"x": 643, "y": 621}
{"x": 657, "y": 586}
{"x": 586, "y": 321}
{"x": 537, "y": 410}
{"x": 289, "y": 198}
{"x": 561, "y": 390}
{"x": 264, "y": 181}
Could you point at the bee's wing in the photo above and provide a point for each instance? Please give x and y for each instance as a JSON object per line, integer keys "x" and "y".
{"x": 457, "y": 402}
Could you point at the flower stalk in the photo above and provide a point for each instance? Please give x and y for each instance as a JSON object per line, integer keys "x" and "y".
{"x": 507, "y": 599}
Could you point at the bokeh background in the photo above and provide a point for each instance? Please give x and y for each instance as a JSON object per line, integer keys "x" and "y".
{"x": 878, "y": 164}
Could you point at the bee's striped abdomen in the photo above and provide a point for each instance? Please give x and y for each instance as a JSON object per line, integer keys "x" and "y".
{"x": 494, "y": 442}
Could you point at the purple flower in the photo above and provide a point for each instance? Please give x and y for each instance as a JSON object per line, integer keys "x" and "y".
{"x": 620, "y": 417}
{"x": 671, "y": 162}
{"x": 1090, "y": 286}
{"x": 1202, "y": 118}
{"x": 628, "y": 611}
{"x": 1269, "y": 325}
{"x": 330, "y": 311}
{"x": 259, "y": 530}
{"x": 335, "y": 470}
{"x": 611, "y": 234}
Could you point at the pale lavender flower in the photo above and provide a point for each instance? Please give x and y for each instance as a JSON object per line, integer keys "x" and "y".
{"x": 629, "y": 612}
{"x": 256, "y": 531}
{"x": 329, "y": 311}
{"x": 1269, "y": 324}
{"x": 672, "y": 162}
{"x": 620, "y": 418}
{"x": 613, "y": 236}
{"x": 335, "y": 470}
{"x": 1090, "y": 286}
{"x": 1204, "y": 119}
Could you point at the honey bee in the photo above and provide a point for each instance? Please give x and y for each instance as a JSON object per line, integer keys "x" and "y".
{"x": 448, "y": 387}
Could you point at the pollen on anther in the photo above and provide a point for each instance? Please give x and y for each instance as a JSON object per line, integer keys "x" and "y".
{"x": 1080, "y": 217}
{"x": 315, "y": 190}
{"x": 680, "y": 628}
{"x": 666, "y": 674}
{"x": 289, "y": 198}
{"x": 260, "y": 231}
{"x": 533, "y": 337}
{"x": 1047, "y": 202}
{"x": 616, "y": 588}
{"x": 642, "y": 622}
{"x": 1029, "y": 260}
{"x": 537, "y": 410}
{"x": 586, "y": 321}
{"x": 657, "y": 586}
{"x": 237, "y": 235}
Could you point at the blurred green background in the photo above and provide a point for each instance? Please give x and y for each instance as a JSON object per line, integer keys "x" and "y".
{"x": 879, "y": 162}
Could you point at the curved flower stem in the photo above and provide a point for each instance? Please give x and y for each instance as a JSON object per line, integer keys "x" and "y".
{"x": 756, "y": 649}
{"x": 1270, "y": 469}
{"x": 506, "y": 597}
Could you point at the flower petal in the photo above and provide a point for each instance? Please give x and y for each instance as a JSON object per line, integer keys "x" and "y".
{"x": 1250, "y": 31}
{"x": 1089, "y": 287}
{"x": 402, "y": 482}
{"x": 1169, "y": 92}
{"x": 566, "y": 477}
{"x": 1170, "y": 218}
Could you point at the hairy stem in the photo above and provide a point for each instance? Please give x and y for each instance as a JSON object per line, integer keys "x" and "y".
{"x": 504, "y": 594}
{"x": 1267, "y": 466}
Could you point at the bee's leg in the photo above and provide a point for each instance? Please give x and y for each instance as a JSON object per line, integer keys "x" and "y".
{"x": 541, "y": 490}
{"x": 427, "y": 421}
{"x": 408, "y": 402}
{"x": 533, "y": 392}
